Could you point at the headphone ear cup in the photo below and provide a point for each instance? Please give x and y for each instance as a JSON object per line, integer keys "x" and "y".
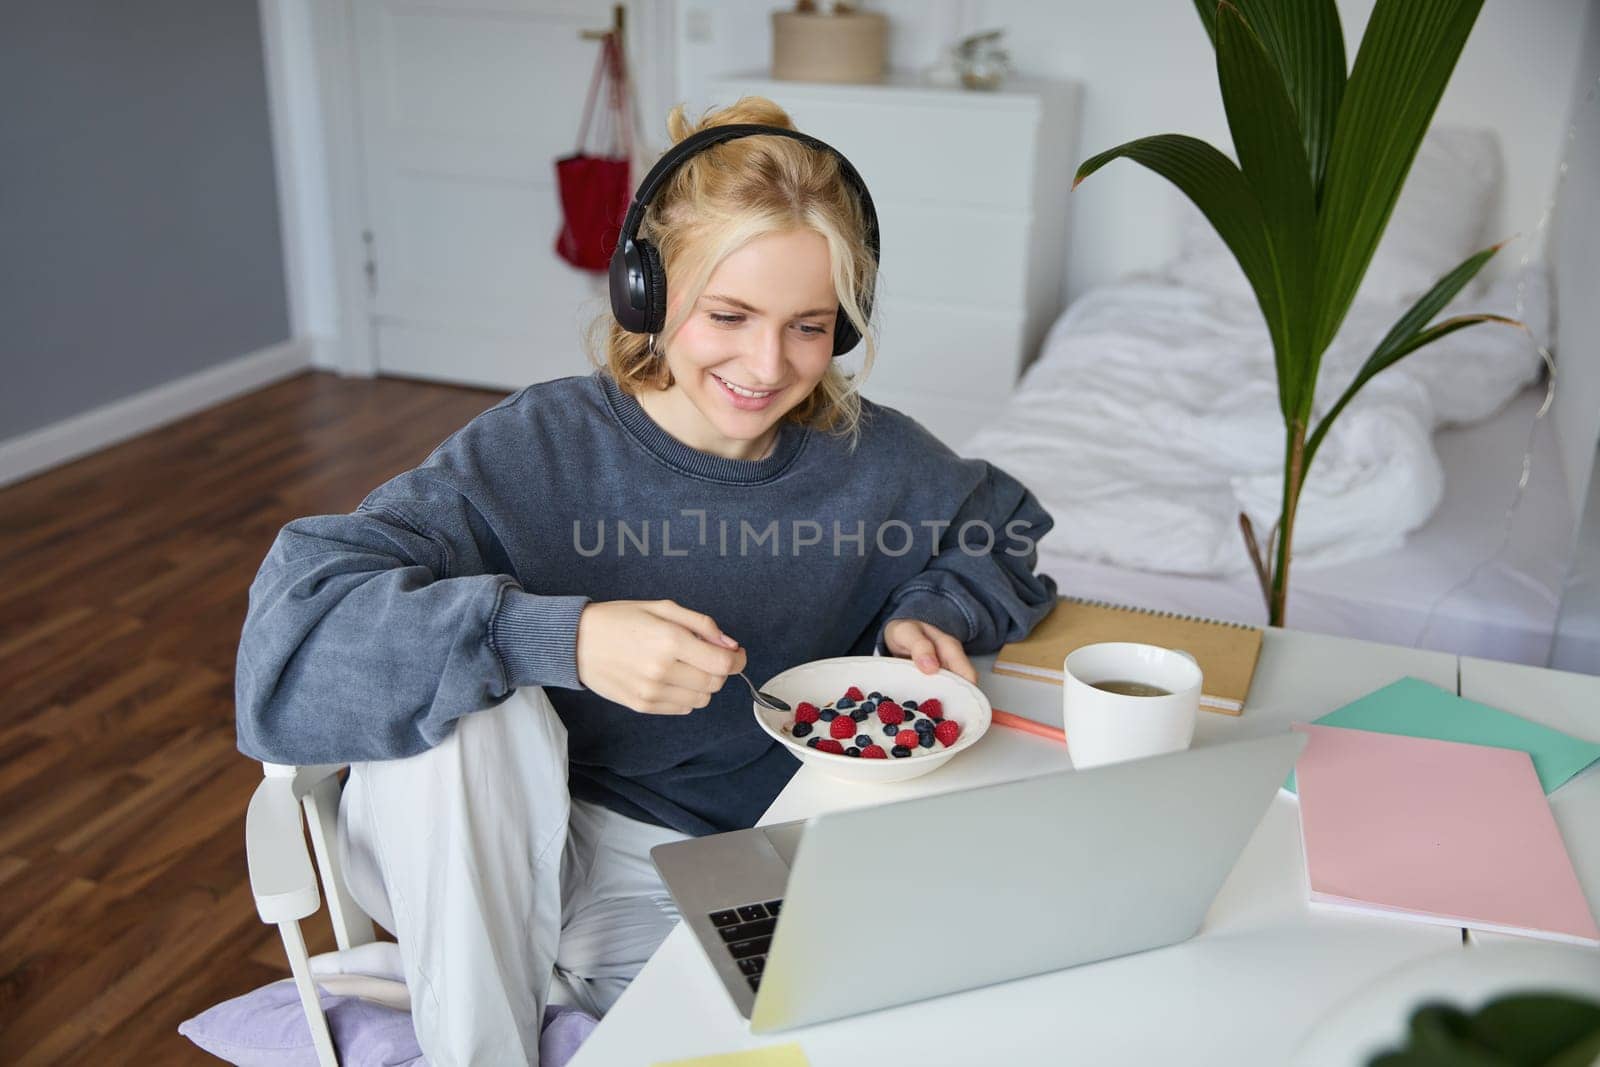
{"x": 655, "y": 287}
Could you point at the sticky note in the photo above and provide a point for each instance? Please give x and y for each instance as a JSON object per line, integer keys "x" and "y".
{"x": 786, "y": 1055}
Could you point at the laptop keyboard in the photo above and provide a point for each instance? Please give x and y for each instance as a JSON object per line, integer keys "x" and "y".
{"x": 747, "y": 933}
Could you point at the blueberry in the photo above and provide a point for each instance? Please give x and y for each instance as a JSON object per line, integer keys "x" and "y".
{"x": 911, "y": 713}
{"x": 890, "y": 731}
{"x": 801, "y": 729}
{"x": 852, "y": 751}
{"x": 910, "y": 705}
{"x": 874, "y": 695}
{"x": 828, "y": 716}
{"x": 923, "y": 726}
{"x": 859, "y": 715}
{"x": 863, "y": 740}
{"x": 926, "y": 741}
{"x": 811, "y": 743}
{"x": 900, "y": 752}
{"x": 844, "y": 702}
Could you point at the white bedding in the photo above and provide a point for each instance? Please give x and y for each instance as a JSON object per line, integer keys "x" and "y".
{"x": 1506, "y": 610}
{"x": 1150, "y": 421}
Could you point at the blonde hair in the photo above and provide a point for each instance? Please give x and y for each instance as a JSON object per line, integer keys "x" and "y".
{"x": 715, "y": 203}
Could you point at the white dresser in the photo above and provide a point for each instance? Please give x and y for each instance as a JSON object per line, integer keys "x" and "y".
{"x": 971, "y": 192}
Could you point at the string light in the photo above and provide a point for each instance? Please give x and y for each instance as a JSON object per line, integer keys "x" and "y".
{"x": 1550, "y": 379}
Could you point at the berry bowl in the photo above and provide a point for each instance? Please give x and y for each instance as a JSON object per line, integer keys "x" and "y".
{"x": 824, "y": 682}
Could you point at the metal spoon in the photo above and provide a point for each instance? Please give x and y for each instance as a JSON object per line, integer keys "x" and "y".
{"x": 766, "y": 700}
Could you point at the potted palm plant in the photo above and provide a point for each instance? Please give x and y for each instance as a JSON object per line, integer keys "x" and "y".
{"x": 1322, "y": 155}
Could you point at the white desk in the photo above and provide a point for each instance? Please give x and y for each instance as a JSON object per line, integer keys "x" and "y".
{"x": 1263, "y": 969}
{"x": 1566, "y": 702}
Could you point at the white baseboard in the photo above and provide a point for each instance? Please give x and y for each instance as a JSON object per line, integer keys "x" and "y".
{"x": 28, "y": 454}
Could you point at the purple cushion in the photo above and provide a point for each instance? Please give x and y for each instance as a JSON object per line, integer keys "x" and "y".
{"x": 266, "y": 1027}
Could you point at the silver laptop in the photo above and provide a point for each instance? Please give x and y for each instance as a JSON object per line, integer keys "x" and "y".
{"x": 851, "y": 911}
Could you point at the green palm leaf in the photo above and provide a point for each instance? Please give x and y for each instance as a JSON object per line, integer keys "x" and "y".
{"x": 1219, "y": 189}
{"x": 1406, "y": 56}
{"x": 1261, "y": 118}
{"x": 1306, "y": 43}
{"x": 1411, "y": 332}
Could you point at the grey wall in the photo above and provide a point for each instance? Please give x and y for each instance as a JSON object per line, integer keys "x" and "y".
{"x": 139, "y": 234}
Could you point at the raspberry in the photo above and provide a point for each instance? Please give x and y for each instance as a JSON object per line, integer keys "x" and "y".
{"x": 908, "y": 738}
{"x": 855, "y": 693}
{"x": 842, "y": 727}
{"x": 874, "y": 752}
{"x": 830, "y": 745}
{"x": 932, "y": 708}
{"x": 890, "y": 713}
{"x": 947, "y": 732}
{"x": 806, "y": 712}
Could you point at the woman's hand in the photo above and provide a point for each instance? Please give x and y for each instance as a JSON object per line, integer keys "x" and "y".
{"x": 654, "y": 656}
{"x": 928, "y": 647}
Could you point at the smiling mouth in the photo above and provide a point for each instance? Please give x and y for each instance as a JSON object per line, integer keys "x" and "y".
{"x": 741, "y": 390}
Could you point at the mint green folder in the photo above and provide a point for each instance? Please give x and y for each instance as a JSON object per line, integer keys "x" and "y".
{"x": 1414, "y": 708}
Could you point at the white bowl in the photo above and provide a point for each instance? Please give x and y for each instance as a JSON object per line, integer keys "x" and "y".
{"x": 825, "y": 680}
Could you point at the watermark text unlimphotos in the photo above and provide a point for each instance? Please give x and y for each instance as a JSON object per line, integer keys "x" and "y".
{"x": 774, "y": 537}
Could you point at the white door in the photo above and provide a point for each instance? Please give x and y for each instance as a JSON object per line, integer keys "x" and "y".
{"x": 464, "y": 107}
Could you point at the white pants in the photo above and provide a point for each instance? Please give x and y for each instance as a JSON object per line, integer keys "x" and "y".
{"x": 504, "y": 893}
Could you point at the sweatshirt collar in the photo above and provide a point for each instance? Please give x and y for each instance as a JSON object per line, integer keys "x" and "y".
{"x": 637, "y": 422}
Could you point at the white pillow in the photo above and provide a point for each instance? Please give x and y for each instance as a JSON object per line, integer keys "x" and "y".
{"x": 1440, "y": 219}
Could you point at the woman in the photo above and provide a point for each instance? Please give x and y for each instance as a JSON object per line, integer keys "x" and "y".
{"x": 522, "y": 645}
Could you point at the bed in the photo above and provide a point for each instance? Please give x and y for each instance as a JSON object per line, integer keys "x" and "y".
{"x": 1485, "y": 600}
{"x": 1149, "y": 420}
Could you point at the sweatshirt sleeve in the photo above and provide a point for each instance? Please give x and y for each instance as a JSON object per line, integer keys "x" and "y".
{"x": 367, "y": 635}
{"x": 980, "y": 586}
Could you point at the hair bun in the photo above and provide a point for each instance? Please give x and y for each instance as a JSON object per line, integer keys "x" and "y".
{"x": 757, "y": 110}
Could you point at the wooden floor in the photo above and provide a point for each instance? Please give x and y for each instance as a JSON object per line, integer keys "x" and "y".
{"x": 124, "y": 902}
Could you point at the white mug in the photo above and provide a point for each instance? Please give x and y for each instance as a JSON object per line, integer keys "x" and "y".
{"x": 1104, "y": 727}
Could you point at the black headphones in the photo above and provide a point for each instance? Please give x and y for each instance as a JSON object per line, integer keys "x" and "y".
{"x": 638, "y": 281}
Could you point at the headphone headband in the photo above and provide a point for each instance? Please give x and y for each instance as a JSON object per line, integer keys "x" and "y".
{"x": 638, "y": 280}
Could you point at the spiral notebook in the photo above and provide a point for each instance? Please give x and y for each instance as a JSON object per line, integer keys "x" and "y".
{"x": 1226, "y": 651}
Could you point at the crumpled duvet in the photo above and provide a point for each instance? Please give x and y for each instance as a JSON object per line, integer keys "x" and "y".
{"x": 1150, "y": 421}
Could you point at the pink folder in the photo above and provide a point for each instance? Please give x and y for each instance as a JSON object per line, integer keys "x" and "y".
{"x": 1437, "y": 831}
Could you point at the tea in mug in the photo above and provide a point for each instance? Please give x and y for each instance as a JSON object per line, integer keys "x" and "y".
{"x": 1132, "y": 689}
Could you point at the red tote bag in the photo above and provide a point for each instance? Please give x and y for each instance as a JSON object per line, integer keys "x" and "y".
{"x": 596, "y": 189}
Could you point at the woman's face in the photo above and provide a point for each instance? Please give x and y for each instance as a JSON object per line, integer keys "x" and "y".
{"x": 764, "y": 326}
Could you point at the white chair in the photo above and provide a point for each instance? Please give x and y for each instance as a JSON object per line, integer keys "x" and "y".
{"x": 284, "y": 882}
{"x": 289, "y": 800}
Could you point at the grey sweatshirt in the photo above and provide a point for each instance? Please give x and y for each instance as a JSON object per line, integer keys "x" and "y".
{"x": 369, "y": 634}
